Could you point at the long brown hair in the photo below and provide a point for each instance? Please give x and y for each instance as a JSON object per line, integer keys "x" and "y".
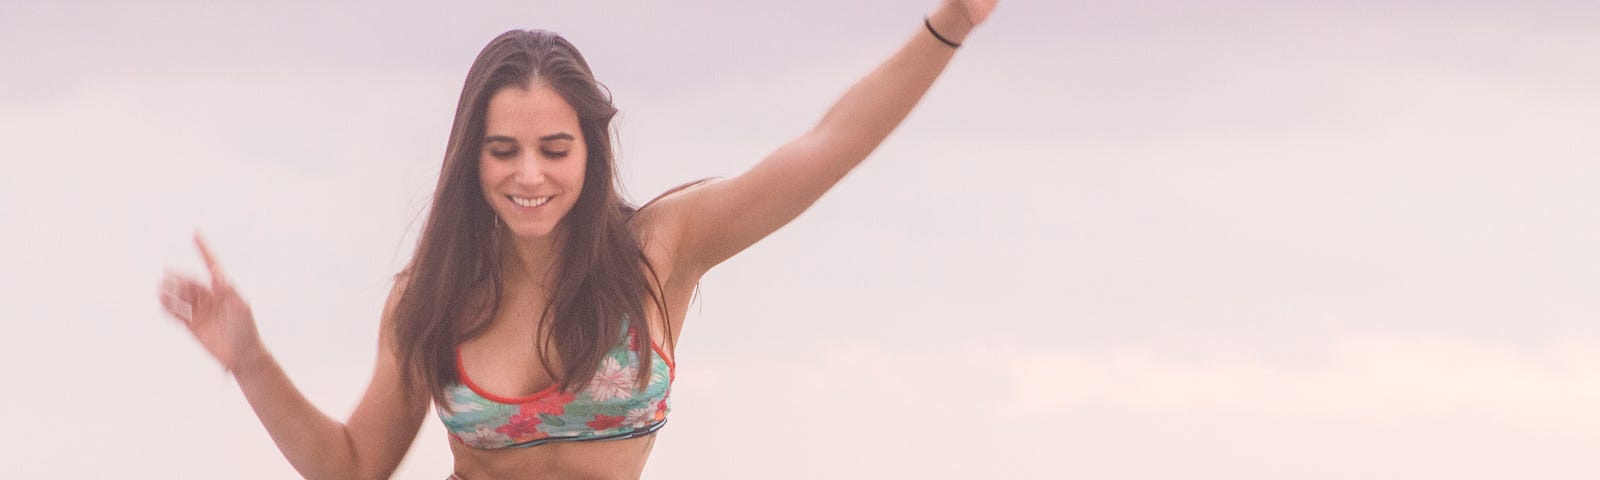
{"x": 454, "y": 284}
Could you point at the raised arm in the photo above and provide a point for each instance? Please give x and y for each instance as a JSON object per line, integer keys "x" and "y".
{"x": 718, "y": 219}
{"x": 369, "y": 445}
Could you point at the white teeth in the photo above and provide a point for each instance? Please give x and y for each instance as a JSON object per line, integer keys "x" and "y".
{"x": 530, "y": 202}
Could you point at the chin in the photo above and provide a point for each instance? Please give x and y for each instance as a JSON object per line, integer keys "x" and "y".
{"x": 531, "y": 231}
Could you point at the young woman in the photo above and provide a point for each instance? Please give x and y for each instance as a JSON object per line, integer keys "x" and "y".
{"x": 540, "y": 309}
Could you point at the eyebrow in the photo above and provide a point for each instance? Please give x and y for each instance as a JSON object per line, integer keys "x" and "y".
{"x": 546, "y": 138}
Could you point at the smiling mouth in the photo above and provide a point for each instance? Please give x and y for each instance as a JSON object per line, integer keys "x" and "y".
{"x": 529, "y": 201}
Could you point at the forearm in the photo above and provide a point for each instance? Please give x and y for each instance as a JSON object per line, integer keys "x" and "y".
{"x": 315, "y": 444}
{"x": 876, "y": 104}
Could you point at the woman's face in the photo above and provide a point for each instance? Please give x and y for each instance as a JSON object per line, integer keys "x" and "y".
{"x": 533, "y": 159}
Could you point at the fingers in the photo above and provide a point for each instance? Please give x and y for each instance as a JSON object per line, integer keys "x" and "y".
{"x": 175, "y": 302}
{"x": 218, "y": 280}
{"x": 181, "y": 296}
{"x": 177, "y": 308}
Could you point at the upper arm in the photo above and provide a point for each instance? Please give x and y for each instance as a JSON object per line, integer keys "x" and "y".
{"x": 386, "y": 421}
{"x": 718, "y": 219}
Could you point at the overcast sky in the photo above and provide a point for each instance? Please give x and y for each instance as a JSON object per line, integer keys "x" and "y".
{"x": 1234, "y": 239}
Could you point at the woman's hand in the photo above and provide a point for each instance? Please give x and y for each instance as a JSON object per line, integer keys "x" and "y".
{"x": 215, "y": 314}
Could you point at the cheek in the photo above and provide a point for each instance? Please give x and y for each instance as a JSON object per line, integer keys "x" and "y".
{"x": 578, "y": 168}
{"x": 485, "y": 175}
{"x": 489, "y": 175}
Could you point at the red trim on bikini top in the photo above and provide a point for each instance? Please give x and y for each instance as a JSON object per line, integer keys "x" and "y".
{"x": 672, "y": 371}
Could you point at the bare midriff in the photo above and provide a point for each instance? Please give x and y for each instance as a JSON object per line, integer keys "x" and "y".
{"x": 602, "y": 459}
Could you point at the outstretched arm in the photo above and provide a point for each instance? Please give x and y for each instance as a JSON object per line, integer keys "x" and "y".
{"x": 369, "y": 445}
{"x": 718, "y": 219}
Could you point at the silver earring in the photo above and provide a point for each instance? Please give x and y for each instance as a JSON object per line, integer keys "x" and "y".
{"x": 494, "y": 234}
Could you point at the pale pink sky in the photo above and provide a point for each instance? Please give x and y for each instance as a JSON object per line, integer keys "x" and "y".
{"x": 1243, "y": 240}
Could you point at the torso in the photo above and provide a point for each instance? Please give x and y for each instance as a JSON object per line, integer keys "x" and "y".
{"x": 506, "y": 342}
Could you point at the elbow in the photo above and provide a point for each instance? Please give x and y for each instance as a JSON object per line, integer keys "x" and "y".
{"x": 361, "y": 467}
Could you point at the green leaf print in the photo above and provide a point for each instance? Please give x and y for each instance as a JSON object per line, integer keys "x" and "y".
{"x": 552, "y": 420}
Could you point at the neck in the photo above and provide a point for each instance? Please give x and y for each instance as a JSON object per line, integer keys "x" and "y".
{"x": 529, "y": 260}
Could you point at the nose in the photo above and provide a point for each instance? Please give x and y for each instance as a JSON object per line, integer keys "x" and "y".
{"x": 530, "y": 172}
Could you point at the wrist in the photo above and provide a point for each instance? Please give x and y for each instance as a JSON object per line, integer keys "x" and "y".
{"x": 250, "y": 361}
{"x": 951, "y": 22}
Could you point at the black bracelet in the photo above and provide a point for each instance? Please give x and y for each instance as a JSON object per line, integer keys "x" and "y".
{"x": 936, "y": 34}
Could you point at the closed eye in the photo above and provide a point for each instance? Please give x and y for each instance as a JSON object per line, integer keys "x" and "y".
{"x": 508, "y": 154}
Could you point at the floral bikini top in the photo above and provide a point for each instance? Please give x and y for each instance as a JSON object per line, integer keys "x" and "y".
{"x": 607, "y": 408}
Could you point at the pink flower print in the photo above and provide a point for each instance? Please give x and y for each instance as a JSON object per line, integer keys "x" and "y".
{"x": 555, "y": 404}
{"x": 522, "y": 427}
{"x": 641, "y": 416}
{"x": 483, "y": 437}
{"x": 602, "y": 422}
{"x": 525, "y": 423}
{"x": 611, "y": 381}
